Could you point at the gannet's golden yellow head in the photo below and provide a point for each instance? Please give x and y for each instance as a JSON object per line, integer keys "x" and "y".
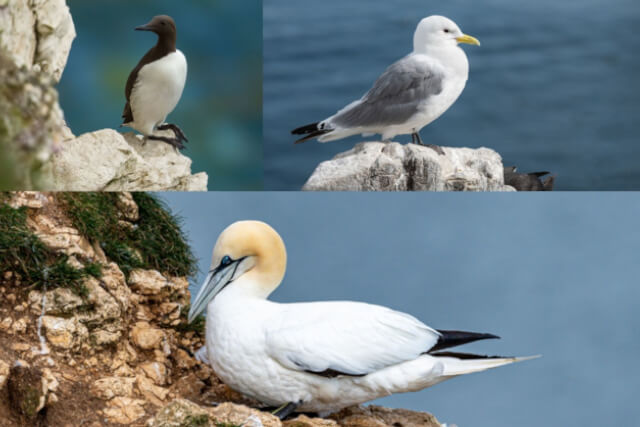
{"x": 248, "y": 249}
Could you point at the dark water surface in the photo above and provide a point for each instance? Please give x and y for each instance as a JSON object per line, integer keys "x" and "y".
{"x": 552, "y": 274}
{"x": 554, "y": 85}
{"x": 220, "y": 109}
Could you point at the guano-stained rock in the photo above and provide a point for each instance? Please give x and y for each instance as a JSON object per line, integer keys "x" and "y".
{"x": 378, "y": 166}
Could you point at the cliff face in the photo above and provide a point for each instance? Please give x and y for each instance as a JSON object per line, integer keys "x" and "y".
{"x": 93, "y": 330}
{"x": 37, "y": 149}
{"x": 380, "y": 166}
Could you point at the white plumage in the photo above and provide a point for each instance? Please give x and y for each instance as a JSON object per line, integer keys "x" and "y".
{"x": 157, "y": 91}
{"x": 320, "y": 356}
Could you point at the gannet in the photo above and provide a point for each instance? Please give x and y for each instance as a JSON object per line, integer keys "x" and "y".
{"x": 155, "y": 85}
{"x": 314, "y": 357}
{"x": 410, "y": 94}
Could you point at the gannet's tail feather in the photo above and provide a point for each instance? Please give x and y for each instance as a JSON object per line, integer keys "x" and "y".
{"x": 465, "y": 363}
{"x": 455, "y": 338}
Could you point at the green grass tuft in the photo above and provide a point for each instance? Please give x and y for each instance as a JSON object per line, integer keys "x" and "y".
{"x": 195, "y": 421}
{"x": 22, "y": 252}
{"x": 159, "y": 234}
{"x": 197, "y": 326}
{"x": 154, "y": 242}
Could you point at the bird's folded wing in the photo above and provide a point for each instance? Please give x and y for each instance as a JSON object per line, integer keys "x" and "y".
{"x": 345, "y": 338}
{"x": 395, "y": 97}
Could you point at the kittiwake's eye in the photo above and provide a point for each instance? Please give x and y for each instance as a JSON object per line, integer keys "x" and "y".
{"x": 226, "y": 260}
{"x": 446, "y": 30}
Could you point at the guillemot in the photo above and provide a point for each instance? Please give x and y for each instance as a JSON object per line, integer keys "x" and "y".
{"x": 155, "y": 85}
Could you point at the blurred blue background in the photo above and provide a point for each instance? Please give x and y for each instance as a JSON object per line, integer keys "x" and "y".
{"x": 554, "y": 85}
{"x": 221, "y": 107}
{"x": 552, "y": 274}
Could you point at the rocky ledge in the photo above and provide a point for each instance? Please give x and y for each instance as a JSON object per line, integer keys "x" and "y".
{"x": 106, "y": 160}
{"x": 378, "y": 166}
{"x": 93, "y": 302}
{"x": 38, "y": 149}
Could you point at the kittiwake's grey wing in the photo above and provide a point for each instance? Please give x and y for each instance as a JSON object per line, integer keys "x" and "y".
{"x": 395, "y": 97}
{"x": 354, "y": 339}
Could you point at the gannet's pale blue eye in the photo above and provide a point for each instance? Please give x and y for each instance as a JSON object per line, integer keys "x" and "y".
{"x": 226, "y": 260}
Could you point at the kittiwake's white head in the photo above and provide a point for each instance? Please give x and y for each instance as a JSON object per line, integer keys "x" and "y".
{"x": 251, "y": 250}
{"x": 437, "y": 32}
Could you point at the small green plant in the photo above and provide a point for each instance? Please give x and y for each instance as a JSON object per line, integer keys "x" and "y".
{"x": 197, "y": 326}
{"x": 21, "y": 251}
{"x": 196, "y": 421}
{"x": 154, "y": 242}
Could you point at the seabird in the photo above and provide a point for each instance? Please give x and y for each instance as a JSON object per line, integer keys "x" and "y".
{"x": 410, "y": 94}
{"x": 155, "y": 85}
{"x": 528, "y": 181}
{"x": 314, "y": 357}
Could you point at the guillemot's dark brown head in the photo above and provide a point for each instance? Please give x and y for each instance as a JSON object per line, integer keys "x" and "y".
{"x": 164, "y": 27}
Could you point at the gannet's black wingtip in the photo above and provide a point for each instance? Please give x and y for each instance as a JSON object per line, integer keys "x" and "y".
{"x": 449, "y": 339}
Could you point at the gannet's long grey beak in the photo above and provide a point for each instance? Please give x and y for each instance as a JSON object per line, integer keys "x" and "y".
{"x": 216, "y": 280}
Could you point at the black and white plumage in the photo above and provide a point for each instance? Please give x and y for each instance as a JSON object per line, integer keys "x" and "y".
{"x": 410, "y": 94}
{"x": 315, "y": 356}
{"x": 155, "y": 85}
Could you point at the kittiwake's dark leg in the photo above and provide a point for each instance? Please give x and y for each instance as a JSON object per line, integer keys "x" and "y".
{"x": 434, "y": 147}
{"x": 176, "y": 130}
{"x": 174, "y": 142}
{"x": 284, "y": 411}
{"x": 413, "y": 138}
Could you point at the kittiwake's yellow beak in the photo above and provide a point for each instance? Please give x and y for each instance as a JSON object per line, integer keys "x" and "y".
{"x": 468, "y": 40}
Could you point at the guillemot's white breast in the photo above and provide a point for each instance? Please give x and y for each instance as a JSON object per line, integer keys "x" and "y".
{"x": 157, "y": 91}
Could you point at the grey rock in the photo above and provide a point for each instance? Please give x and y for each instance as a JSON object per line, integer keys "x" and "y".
{"x": 379, "y": 166}
{"x": 106, "y": 160}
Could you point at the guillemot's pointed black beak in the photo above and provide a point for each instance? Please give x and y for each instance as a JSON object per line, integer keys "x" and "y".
{"x": 146, "y": 27}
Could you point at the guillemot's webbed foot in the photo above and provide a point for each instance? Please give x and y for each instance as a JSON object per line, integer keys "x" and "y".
{"x": 174, "y": 142}
{"x": 286, "y": 410}
{"x": 176, "y": 130}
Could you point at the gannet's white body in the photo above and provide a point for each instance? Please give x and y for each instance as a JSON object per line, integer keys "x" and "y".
{"x": 320, "y": 356}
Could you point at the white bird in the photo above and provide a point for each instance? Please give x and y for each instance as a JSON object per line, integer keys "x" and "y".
{"x": 410, "y": 94}
{"x": 320, "y": 356}
{"x": 155, "y": 85}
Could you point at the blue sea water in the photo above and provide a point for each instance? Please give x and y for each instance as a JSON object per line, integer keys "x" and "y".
{"x": 552, "y": 274}
{"x": 553, "y": 87}
{"x": 221, "y": 107}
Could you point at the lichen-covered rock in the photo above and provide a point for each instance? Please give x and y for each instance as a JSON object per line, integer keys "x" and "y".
{"x": 65, "y": 334}
{"x": 377, "y": 416}
{"x": 125, "y": 410}
{"x": 305, "y": 421}
{"x": 110, "y": 387}
{"x": 37, "y": 34}
{"x": 27, "y": 390}
{"x": 106, "y": 160}
{"x": 182, "y": 412}
{"x": 145, "y": 336}
{"x": 378, "y": 166}
{"x": 58, "y": 302}
{"x": 35, "y": 39}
